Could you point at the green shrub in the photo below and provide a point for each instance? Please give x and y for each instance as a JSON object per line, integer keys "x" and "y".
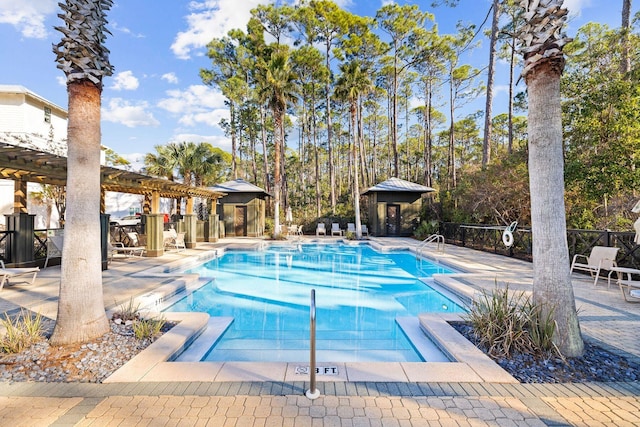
{"x": 21, "y": 331}
{"x": 506, "y": 323}
{"x": 147, "y": 328}
{"x": 426, "y": 228}
{"x": 127, "y": 311}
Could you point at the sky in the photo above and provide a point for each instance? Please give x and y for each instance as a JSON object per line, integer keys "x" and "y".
{"x": 158, "y": 47}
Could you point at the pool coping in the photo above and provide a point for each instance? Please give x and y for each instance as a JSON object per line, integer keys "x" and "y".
{"x": 154, "y": 363}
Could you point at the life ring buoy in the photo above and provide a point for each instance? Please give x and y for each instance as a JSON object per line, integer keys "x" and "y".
{"x": 507, "y": 238}
{"x": 507, "y": 234}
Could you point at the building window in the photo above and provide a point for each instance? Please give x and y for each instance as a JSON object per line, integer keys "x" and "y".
{"x": 47, "y": 115}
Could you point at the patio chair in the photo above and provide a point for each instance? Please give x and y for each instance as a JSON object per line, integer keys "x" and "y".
{"x": 335, "y": 229}
{"x": 601, "y": 258}
{"x": 351, "y": 228}
{"x": 365, "y": 230}
{"x": 10, "y": 273}
{"x": 299, "y": 232}
{"x": 54, "y": 248}
{"x": 174, "y": 240}
{"x": 320, "y": 229}
{"x": 169, "y": 237}
{"x": 135, "y": 247}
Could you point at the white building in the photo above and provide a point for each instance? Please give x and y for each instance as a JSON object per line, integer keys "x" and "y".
{"x": 31, "y": 121}
{"x": 28, "y": 120}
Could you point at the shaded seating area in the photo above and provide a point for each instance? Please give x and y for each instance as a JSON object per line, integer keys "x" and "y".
{"x": 10, "y": 273}
{"x": 24, "y": 165}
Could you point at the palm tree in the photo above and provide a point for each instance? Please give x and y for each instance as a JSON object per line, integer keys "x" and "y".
{"x": 162, "y": 163}
{"x": 280, "y": 89}
{"x": 542, "y": 39}
{"x": 353, "y": 83}
{"x": 84, "y": 59}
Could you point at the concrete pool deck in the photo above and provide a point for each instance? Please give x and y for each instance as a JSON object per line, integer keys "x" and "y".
{"x": 171, "y": 393}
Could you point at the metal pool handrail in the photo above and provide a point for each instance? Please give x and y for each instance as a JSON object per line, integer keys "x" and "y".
{"x": 313, "y": 392}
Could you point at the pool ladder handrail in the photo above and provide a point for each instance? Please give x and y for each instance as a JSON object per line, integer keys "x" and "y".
{"x": 438, "y": 238}
{"x": 313, "y": 392}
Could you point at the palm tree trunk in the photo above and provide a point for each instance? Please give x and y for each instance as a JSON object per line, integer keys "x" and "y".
{"x": 552, "y": 288}
{"x": 81, "y": 314}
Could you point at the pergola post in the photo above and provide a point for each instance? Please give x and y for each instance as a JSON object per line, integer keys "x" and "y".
{"x": 20, "y": 196}
{"x": 146, "y": 204}
{"x": 190, "y": 225}
{"x": 155, "y": 227}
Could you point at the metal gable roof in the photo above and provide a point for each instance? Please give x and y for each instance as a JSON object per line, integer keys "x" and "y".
{"x": 238, "y": 186}
{"x": 399, "y": 185}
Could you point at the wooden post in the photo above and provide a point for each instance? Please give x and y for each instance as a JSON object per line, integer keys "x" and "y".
{"x": 20, "y": 196}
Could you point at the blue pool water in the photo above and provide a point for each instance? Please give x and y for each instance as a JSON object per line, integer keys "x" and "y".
{"x": 359, "y": 294}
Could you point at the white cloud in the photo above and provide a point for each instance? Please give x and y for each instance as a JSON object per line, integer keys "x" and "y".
{"x": 211, "y": 19}
{"x": 126, "y": 30}
{"x": 27, "y": 16}
{"x": 129, "y": 114}
{"x": 196, "y": 104}
{"x": 217, "y": 141}
{"x": 575, "y": 6}
{"x": 170, "y": 77}
{"x": 125, "y": 80}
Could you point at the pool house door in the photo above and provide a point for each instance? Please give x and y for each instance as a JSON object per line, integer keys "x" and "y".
{"x": 393, "y": 220}
{"x": 240, "y": 221}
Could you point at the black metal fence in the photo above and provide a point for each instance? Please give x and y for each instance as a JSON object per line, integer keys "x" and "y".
{"x": 489, "y": 239}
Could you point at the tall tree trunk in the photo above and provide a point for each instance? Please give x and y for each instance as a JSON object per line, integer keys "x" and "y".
{"x": 265, "y": 157}
{"x": 552, "y": 282}
{"x": 626, "y": 28}
{"x": 332, "y": 172}
{"x": 81, "y": 314}
{"x": 544, "y": 62}
{"x": 234, "y": 150}
{"x": 316, "y": 159}
{"x": 486, "y": 143}
{"x": 354, "y": 156}
{"x": 451, "y": 160}
{"x": 277, "y": 184}
{"x": 512, "y": 66}
{"x": 394, "y": 118}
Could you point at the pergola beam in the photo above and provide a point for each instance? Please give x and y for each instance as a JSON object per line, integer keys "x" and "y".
{"x": 24, "y": 164}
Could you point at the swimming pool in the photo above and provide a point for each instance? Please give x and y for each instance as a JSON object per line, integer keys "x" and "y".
{"x": 359, "y": 294}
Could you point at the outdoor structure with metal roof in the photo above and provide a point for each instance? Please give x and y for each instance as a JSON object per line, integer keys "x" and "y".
{"x": 242, "y": 209}
{"x": 394, "y": 207}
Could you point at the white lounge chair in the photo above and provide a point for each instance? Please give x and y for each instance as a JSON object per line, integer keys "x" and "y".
{"x": 54, "y": 248}
{"x": 335, "y": 229}
{"x": 180, "y": 244}
{"x": 320, "y": 229}
{"x": 365, "y": 230}
{"x": 10, "y": 273}
{"x": 351, "y": 228}
{"x": 169, "y": 237}
{"x": 135, "y": 246}
{"x": 601, "y": 258}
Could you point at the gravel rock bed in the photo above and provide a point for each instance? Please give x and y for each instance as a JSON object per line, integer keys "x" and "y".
{"x": 90, "y": 362}
{"x": 597, "y": 365}
{"x": 95, "y": 361}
